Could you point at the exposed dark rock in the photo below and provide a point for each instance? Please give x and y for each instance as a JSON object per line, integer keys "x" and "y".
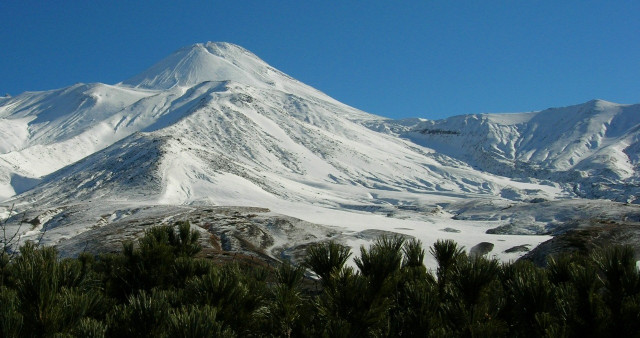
{"x": 481, "y": 249}
{"x": 438, "y": 132}
{"x": 511, "y": 229}
{"x": 519, "y": 248}
{"x": 584, "y": 240}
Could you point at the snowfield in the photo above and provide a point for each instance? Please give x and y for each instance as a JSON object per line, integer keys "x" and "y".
{"x": 213, "y": 125}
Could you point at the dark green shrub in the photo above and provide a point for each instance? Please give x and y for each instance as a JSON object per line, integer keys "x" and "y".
{"x": 381, "y": 261}
{"x": 157, "y": 289}
{"x": 286, "y": 301}
{"x": 90, "y": 328}
{"x": 194, "y": 322}
{"x": 580, "y": 302}
{"x": 447, "y": 254}
{"x": 413, "y": 254}
{"x": 11, "y": 320}
{"x": 289, "y": 276}
{"x": 186, "y": 242}
{"x": 54, "y": 295}
{"x": 157, "y": 261}
{"x": 326, "y": 259}
{"x": 617, "y": 266}
{"x": 144, "y": 315}
{"x": 417, "y": 309}
{"x": 530, "y": 294}
{"x": 472, "y": 276}
{"x": 347, "y": 309}
{"x": 230, "y": 291}
{"x": 185, "y": 268}
{"x": 4, "y": 267}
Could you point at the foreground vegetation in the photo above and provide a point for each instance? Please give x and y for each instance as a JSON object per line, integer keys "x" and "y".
{"x": 157, "y": 288}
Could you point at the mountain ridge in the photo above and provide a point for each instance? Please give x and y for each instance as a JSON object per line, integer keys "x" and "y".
{"x": 592, "y": 142}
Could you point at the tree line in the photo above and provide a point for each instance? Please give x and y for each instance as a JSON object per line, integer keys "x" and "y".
{"x": 156, "y": 287}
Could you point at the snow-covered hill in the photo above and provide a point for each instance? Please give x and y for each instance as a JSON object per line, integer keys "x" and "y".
{"x": 591, "y": 149}
{"x": 212, "y": 124}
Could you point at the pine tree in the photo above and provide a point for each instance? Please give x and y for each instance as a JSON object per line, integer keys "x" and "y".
{"x": 285, "y": 306}
{"x": 11, "y": 320}
{"x": 617, "y": 266}
{"x": 447, "y": 254}
{"x": 326, "y": 259}
{"x": 382, "y": 261}
{"x": 195, "y": 322}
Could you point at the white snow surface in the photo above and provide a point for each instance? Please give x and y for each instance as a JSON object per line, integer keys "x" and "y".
{"x": 590, "y": 149}
{"x": 212, "y": 124}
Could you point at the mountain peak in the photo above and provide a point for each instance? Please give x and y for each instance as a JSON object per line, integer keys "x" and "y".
{"x": 603, "y": 104}
{"x": 224, "y": 49}
{"x": 217, "y": 62}
{"x": 211, "y": 61}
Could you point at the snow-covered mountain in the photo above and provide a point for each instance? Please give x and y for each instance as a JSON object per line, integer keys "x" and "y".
{"x": 211, "y": 111}
{"x": 44, "y": 131}
{"x": 590, "y": 148}
{"x": 212, "y": 124}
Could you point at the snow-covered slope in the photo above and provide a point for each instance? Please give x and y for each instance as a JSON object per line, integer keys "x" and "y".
{"x": 212, "y": 110}
{"x": 245, "y": 145}
{"x": 592, "y": 148}
{"x": 212, "y": 124}
{"x": 44, "y": 131}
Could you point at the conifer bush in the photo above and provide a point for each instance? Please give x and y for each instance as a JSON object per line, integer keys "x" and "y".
{"x": 53, "y": 294}
{"x": 11, "y": 319}
{"x": 4, "y": 266}
{"x": 326, "y": 259}
{"x": 286, "y": 301}
{"x": 447, "y": 254}
{"x": 382, "y": 261}
{"x": 193, "y": 321}
{"x": 144, "y": 315}
{"x": 90, "y": 328}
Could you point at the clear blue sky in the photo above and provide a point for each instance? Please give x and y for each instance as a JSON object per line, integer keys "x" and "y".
{"x": 398, "y": 59}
